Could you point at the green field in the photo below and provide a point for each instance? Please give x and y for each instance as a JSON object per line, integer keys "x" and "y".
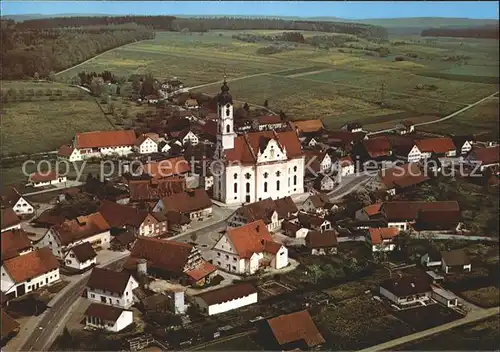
{"x": 482, "y": 118}
{"x": 31, "y": 127}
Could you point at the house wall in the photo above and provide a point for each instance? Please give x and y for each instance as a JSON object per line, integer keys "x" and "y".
{"x": 147, "y": 147}
{"x": 46, "y": 279}
{"x": 18, "y": 226}
{"x": 280, "y": 259}
{"x": 72, "y": 262}
{"x": 51, "y": 240}
{"x": 400, "y": 225}
{"x": 190, "y": 138}
{"x": 226, "y": 306}
{"x": 124, "y": 320}
{"x": 22, "y": 207}
{"x": 448, "y": 269}
{"x": 126, "y": 300}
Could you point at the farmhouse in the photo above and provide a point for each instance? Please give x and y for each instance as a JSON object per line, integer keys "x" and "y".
{"x": 383, "y": 239}
{"x": 80, "y": 257}
{"x": 322, "y": 243}
{"x": 317, "y": 162}
{"x": 378, "y": 149}
{"x": 304, "y": 127}
{"x": 246, "y": 249}
{"x": 344, "y": 166}
{"x": 369, "y": 212}
{"x": 98, "y": 144}
{"x": 455, "y": 261}
{"x": 192, "y": 203}
{"x": 148, "y": 189}
{"x": 68, "y": 152}
{"x": 114, "y": 319}
{"x": 111, "y": 287}
{"x": 10, "y": 220}
{"x": 25, "y": 273}
{"x": 484, "y": 157}
{"x": 165, "y": 168}
{"x": 317, "y": 203}
{"x": 15, "y": 243}
{"x": 170, "y": 260}
{"x": 440, "y": 220}
{"x": 295, "y": 331}
{"x": 267, "y": 123}
{"x": 405, "y": 290}
{"x": 324, "y": 183}
{"x": 43, "y": 179}
{"x": 226, "y": 298}
{"x": 272, "y": 212}
{"x": 13, "y": 198}
{"x": 141, "y": 222}
{"x": 403, "y": 214}
{"x": 463, "y": 144}
{"x": 314, "y": 222}
{"x": 396, "y": 179}
{"x": 443, "y": 146}
{"x": 92, "y": 228}
{"x": 294, "y": 229}
{"x": 186, "y": 136}
{"x": 256, "y": 165}
{"x": 146, "y": 145}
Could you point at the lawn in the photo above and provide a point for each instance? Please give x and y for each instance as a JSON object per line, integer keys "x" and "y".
{"x": 32, "y": 127}
{"x": 481, "y": 118}
{"x": 484, "y": 296}
{"x": 478, "y": 336}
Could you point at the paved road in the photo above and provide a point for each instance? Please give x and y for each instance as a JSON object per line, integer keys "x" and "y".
{"x": 55, "y": 316}
{"x": 471, "y": 317}
{"x": 443, "y": 118}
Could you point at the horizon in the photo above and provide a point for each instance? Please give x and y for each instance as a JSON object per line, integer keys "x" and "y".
{"x": 375, "y": 10}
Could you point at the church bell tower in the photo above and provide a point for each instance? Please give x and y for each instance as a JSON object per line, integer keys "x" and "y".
{"x": 225, "y": 120}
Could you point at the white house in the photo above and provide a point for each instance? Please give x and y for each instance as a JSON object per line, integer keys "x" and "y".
{"x": 323, "y": 243}
{"x": 99, "y": 144}
{"x": 294, "y": 229}
{"x": 344, "y": 166}
{"x": 68, "y": 152}
{"x": 442, "y": 146}
{"x": 410, "y": 154}
{"x": 318, "y": 203}
{"x": 455, "y": 261}
{"x": 15, "y": 243}
{"x": 114, "y": 319}
{"x": 9, "y": 220}
{"x": 80, "y": 257}
{"x": 42, "y": 179}
{"x": 19, "y": 204}
{"x": 226, "y": 298}
{"x": 26, "y": 273}
{"x": 324, "y": 183}
{"x": 92, "y": 228}
{"x": 246, "y": 249}
{"x": 109, "y": 287}
{"x": 146, "y": 145}
{"x": 383, "y": 239}
{"x": 314, "y": 222}
{"x": 484, "y": 157}
{"x": 255, "y": 165}
{"x": 406, "y": 290}
{"x": 185, "y": 137}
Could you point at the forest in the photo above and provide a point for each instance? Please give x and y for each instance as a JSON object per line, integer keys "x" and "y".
{"x": 481, "y": 32}
{"x": 41, "y": 47}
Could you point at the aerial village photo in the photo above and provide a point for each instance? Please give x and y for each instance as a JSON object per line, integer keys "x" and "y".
{"x": 249, "y": 176}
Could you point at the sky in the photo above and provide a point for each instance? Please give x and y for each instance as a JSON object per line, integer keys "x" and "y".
{"x": 343, "y": 9}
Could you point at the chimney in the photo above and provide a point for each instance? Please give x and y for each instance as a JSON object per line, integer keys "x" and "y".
{"x": 142, "y": 267}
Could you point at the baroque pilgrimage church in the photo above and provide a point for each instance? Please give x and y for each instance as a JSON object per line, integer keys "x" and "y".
{"x": 257, "y": 165}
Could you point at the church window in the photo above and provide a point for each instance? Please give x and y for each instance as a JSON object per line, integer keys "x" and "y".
{"x": 278, "y": 174}
{"x": 289, "y": 182}
{"x": 278, "y": 185}
{"x": 228, "y": 112}
{"x": 235, "y": 187}
{"x": 235, "y": 176}
{"x": 266, "y": 174}
{"x": 265, "y": 186}
{"x": 248, "y": 187}
{"x": 228, "y": 106}
{"x": 228, "y": 128}
{"x": 247, "y": 175}
{"x": 294, "y": 180}
{"x": 295, "y": 169}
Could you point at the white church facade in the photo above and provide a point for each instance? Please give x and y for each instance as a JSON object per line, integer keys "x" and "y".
{"x": 255, "y": 165}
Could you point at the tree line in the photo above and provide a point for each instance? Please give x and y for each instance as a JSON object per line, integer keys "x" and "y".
{"x": 29, "y": 52}
{"x": 483, "y": 32}
{"x": 171, "y": 23}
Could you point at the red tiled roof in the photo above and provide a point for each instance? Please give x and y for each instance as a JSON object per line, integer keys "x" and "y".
{"x": 13, "y": 242}
{"x": 9, "y": 218}
{"x": 228, "y": 293}
{"x": 247, "y": 146}
{"x": 326, "y": 239}
{"x": 187, "y": 201}
{"x": 167, "y": 167}
{"x": 103, "y": 311}
{"x": 8, "y": 326}
{"x": 403, "y": 175}
{"x": 308, "y": 126}
{"x": 372, "y": 209}
{"x": 486, "y": 155}
{"x": 108, "y": 280}
{"x": 378, "y": 146}
{"x": 435, "y": 145}
{"x": 380, "y": 234}
{"x": 65, "y": 150}
{"x": 154, "y": 189}
{"x": 268, "y": 119}
{"x": 31, "y": 265}
{"x": 294, "y": 327}
{"x": 82, "y": 227}
{"x": 202, "y": 270}
{"x": 262, "y": 210}
{"x": 119, "y": 215}
{"x": 251, "y": 238}
{"x": 43, "y": 176}
{"x": 408, "y": 210}
{"x": 103, "y": 139}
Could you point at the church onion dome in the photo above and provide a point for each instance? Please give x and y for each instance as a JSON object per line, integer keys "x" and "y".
{"x": 224, "y": 96}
